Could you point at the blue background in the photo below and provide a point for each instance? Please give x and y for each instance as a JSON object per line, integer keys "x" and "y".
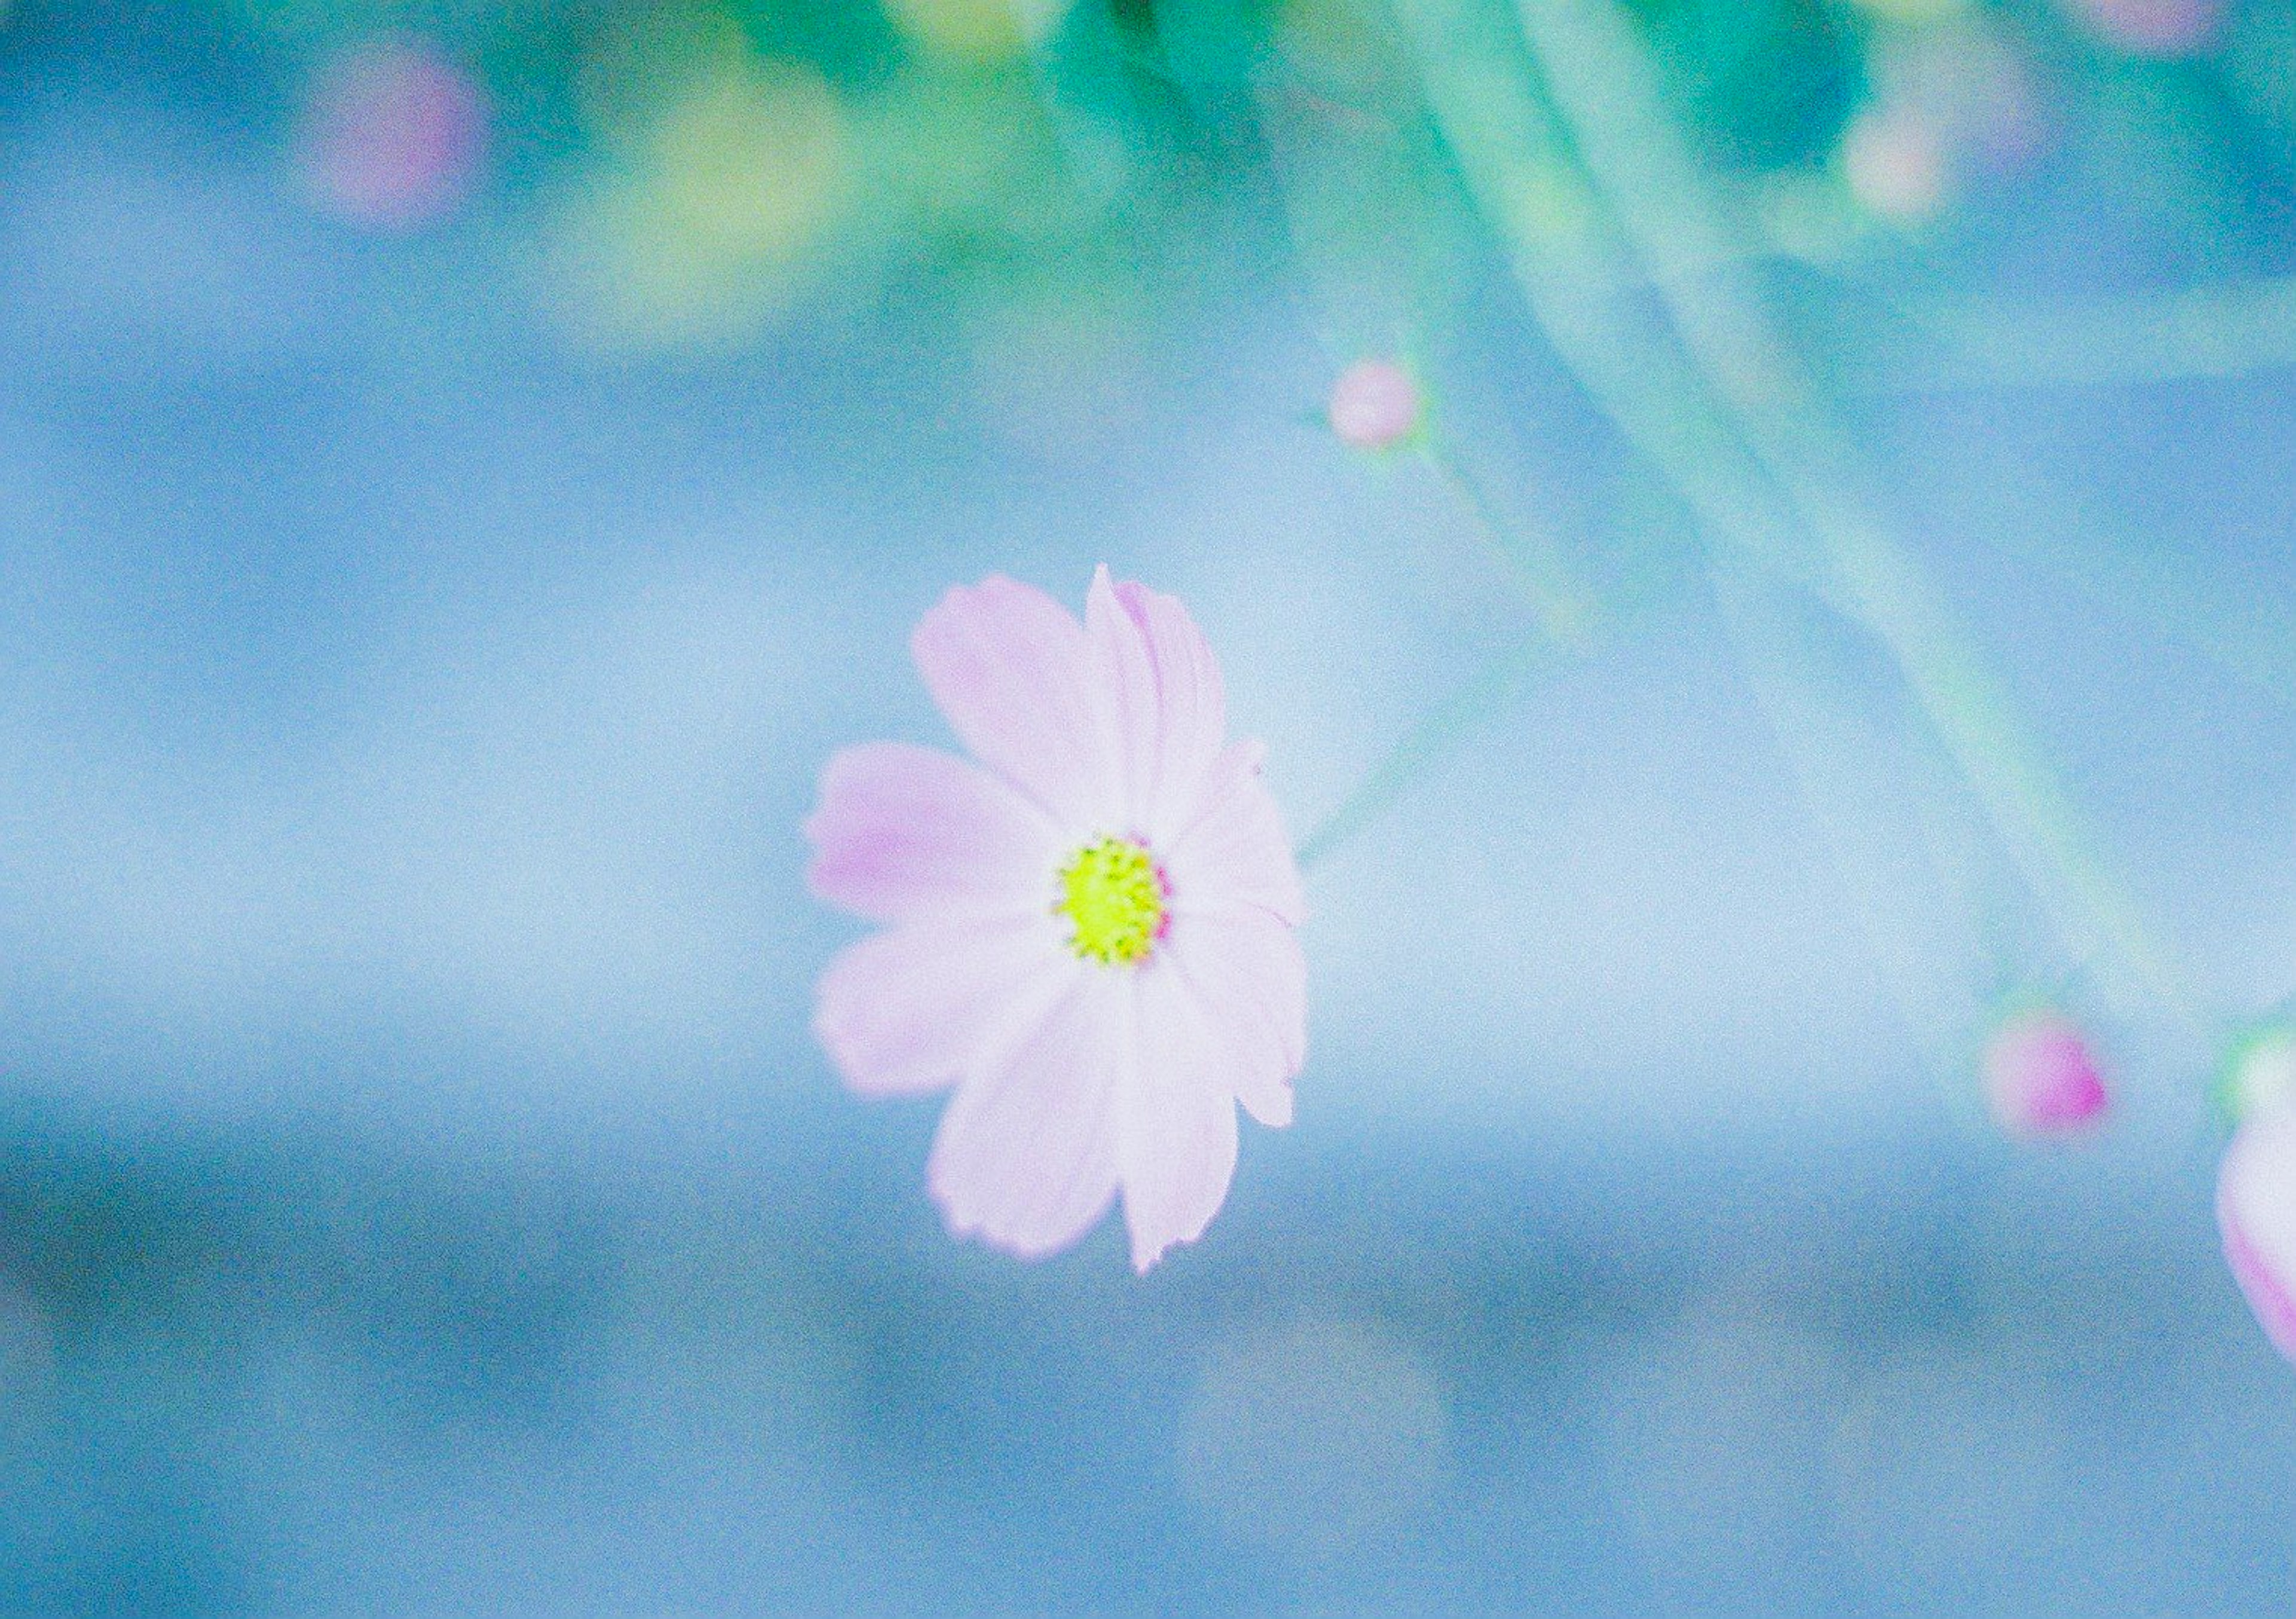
{"x": 419, "y": 1191}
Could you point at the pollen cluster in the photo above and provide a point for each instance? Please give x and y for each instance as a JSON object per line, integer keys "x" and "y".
{"x": 1114, "y": 895}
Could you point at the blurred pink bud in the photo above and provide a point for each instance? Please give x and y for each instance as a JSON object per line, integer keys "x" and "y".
{"x": 2256, "y": 1212}
{"x": 1894, "y": 159}
{"x": 394, "y": 135}
{"x": 2040, "y": 1078}
{"x": 2154, "y": 28}
{"x": 1375, "y": 406}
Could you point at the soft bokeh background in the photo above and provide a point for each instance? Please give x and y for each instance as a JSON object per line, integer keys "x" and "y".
{"x": 463, "y": 468}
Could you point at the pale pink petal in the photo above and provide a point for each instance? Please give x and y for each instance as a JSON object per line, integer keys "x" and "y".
{"x": 1016, "y": 676}
{"x": 1235, "y": 849}
{"x": 1246, "y": 971}
{"x": 1176, "y": 1131}
{"x": 1026, "y": 1156}
{"x": 2255, "y": 1211}
{"x": 1168, "y": 700}
{"x": 921, "y": 1005}
{"x": 901, "y": 831}
{"x": 1127, "y": 672}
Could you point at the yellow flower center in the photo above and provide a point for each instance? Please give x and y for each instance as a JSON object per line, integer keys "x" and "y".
{"x": 1114, "y": 895}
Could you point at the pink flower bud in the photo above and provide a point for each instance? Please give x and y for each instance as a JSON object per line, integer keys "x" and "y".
{"x": 1375, "y": 406}
{"x": 394, "y": 135}
{"x": 2256, "y": 1213}
{"x": 2040, "y": 1079}
{"x": 2154, "y": 28}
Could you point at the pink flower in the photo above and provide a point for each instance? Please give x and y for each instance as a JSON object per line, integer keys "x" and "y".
{"x": 2256, "y": 1212}
{"x": 2040, "y": 1078}
{"x": 394, "y": 135}
{"x": 1375, "y": 406}
{"x": 1088, "y": 932}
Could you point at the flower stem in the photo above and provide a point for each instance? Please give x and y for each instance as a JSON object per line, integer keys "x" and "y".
{"x": 2236, "y": 330}
{"x": 1426, "y": 744}
{"x": 1565, "y": 610}
{"x": 1710, "y": 397}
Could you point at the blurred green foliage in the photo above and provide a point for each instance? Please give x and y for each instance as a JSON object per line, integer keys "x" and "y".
{"x": 684, "y": 173}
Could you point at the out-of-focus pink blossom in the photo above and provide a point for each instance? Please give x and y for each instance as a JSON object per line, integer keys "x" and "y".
{"x": 1974, "y": 83}
{"x": 1375, "y": 406}
{"x": 2154, "y": 28}
{"x": 2040, "y": 1076}
{"x": 2001, "y": 113}
{"x": 1088, "y": 932}
{"x": 1952, "y": 103}
{"x": 1894, "y": 159}
{"x": 394, "y": 135}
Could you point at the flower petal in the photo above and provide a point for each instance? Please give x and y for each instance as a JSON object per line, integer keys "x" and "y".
{"x": 1176, "y": 1132}
{"x": 1245, "y": 970}
{"x": 1235, "y": 848}
{"x": 2255, "y": 1211}
{"x": 902, "y": 831}
{"x": 1168, "y": 701}
{"x": 1026, "y": 1155}
{"x": 921, "y": 1005}
{"x": 1015, "y": 674}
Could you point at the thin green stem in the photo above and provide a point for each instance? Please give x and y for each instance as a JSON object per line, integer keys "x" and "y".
{"x": 1566, "y": 616}
{"x": 1712, "y": 399}
{"x": 1844, "y": 761}
{"x": 1565, "y": 610}
{"x": 1604, "y": 82}
{"x": 1426, "y": 744}
{"x": 2206, "y": 333}
{"x": 2085, "y": 544}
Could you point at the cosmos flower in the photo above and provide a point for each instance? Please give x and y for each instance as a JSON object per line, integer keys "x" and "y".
{"x": 1088, "y": 931}
{"x": 2040, "y": 1076}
